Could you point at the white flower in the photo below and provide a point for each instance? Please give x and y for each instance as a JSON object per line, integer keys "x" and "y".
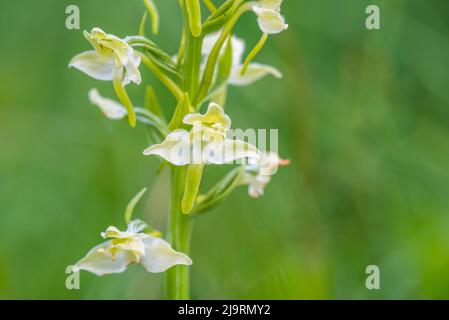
{"x": 110, "y": 108}
{"x": 255, "y": 71}
{"x": 269, "y": 17}
{"x": 205, "y": 143}
{"x": 113, "y": 58}
{"x": 131, "y": 246}
{"x": 259, "y": 172}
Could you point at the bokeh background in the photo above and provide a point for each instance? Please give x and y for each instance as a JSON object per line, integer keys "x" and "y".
{"x": 363, "y": 115}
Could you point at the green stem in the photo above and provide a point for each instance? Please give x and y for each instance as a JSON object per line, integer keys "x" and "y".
{"x": 178, "y": 235}
{"x": 192, "y": 63}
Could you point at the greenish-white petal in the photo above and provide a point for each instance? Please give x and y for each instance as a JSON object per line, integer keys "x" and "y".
{"x": 110, "y": 108}
{"x": 270, "y": 21}
{"x": 136, "y": 226}
{"x": 98, "y": 66}
{"x": 257, "y": 186}
{"x": 227, "y": 151}
{"x": 159, "y": 256}
{"x": 132, "y": 73}
{"x": 100, "y": 261}
{"x": 255, "y": 72}
{"x": 175, "y": 148}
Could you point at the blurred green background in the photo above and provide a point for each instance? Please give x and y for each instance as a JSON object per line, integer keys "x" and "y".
{"x": 363, "y": 115}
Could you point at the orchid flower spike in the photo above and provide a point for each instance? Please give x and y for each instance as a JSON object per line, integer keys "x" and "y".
{"x": 205, "y": 143}
{"x": 112, "y": 59}
{"x": 255, "y": 71}
{"x": 131, "y": 246}
{"x": 258, "y": 172}
{"x": 269, "y": 17}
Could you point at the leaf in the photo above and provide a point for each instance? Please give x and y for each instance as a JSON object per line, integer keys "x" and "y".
{"x": 130, "y": 207}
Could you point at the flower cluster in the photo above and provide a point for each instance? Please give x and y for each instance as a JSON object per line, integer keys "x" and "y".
{"x": 207, "y": 63}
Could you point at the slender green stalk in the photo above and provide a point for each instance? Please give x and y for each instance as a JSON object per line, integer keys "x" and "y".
{"x": 254, "y": 53}
{"x": 169, "y": 83}
{"x": 206, "y": 82}
{"x": 209, "y": 4}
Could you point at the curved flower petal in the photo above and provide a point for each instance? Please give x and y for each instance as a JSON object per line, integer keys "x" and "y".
{"x": 255, "y": 72}
{"x": 132, "y": 72}
{"x": 214, "y": 117}
{"x": 112, "y": 55}
{"x": 99, "y": 260}
{"x": 98, "y": 66}
{"x": 270, "y": 21}
{"x": 110, "y": 108}
{"x": 159, "y": 256}
{"x": 257, "y": 186}
{"x": 104, "y": 42}
{"x": 175, "y": 148}
{"x": 228, "y": 151}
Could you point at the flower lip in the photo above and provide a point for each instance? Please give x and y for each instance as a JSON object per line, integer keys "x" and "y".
{"x": 205, "y": 143}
